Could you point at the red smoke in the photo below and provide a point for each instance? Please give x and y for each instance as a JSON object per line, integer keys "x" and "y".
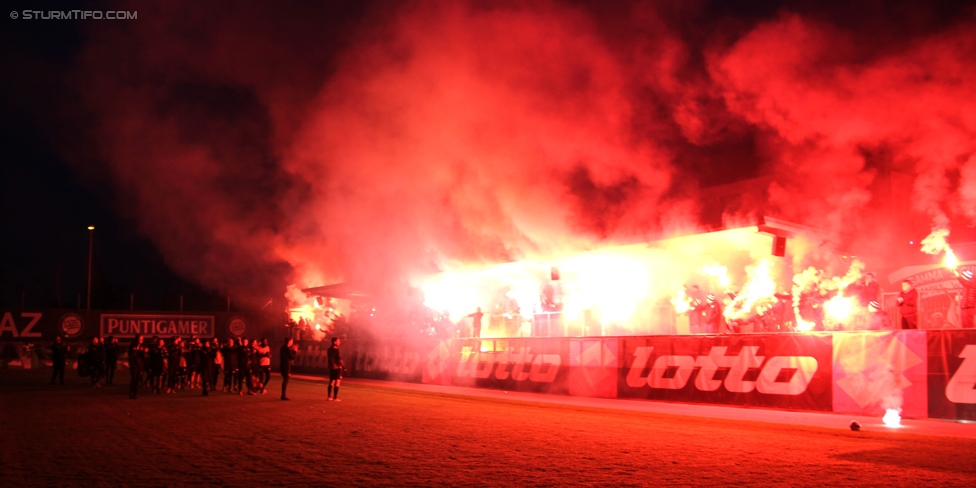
{"x": 828, "y": 105}
{"x": 282, "y": 145}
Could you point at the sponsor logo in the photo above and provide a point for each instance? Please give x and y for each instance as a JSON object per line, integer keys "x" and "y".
{"x": 28, "y": 320}
{"x": 237, "y": 326}
{"x": 778, "y": 375}
{"x": 71, "y": 325}
{"x": 129, "y": 325}
{"x": 519, "y": 365}
{"x": 962, "y": 386}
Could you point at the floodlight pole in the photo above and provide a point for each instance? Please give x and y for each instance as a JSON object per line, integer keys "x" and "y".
{"x": 91, "y": 234}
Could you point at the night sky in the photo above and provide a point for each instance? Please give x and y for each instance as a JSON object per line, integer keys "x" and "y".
{"x": 226, "y": 149}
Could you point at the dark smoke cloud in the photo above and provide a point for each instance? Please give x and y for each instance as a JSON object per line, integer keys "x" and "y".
{"x": 260, "y": 146}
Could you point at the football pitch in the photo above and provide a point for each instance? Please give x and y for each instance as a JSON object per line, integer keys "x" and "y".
{"x": 378, "y": 435}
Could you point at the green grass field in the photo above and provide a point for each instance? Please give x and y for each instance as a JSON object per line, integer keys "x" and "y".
{"x": 77, "y": 435}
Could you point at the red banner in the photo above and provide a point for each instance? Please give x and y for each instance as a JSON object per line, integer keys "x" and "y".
{"x": 593, "y": 367}
{"x": 537, "y": 364}
{"x": 952, "y": 374}
{"x": 928, "y": 373}
{"x": 785, "y": 370}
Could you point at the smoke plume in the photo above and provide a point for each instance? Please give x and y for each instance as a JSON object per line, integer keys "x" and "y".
{"x": 263, "y": 146}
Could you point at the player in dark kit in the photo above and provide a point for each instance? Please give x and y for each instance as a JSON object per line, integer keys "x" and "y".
{"x": 193, "y": 366}
{"x": 244, "y": 358}
{"x": 335, "y": 369}
{"x": 229, "y": 352}
{"x": 137, "y": 361}
{"x": 208, "y": 354}
{"x": 175, "y": 354}
{"x": 96, "y": 361}
{"x": 287, "y": 353}
{"x": 157, "y": 363}
{"x": 58, "y": 355}
{"x": 111, "y": 359}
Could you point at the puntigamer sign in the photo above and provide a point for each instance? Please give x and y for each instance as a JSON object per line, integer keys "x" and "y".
{"x": 130, "y": 325}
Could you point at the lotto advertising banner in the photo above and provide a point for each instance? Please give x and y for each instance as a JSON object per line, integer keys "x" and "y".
{"x": 923, "y": 373}
{"x": 877, "y": 371}
{"x": 783, "y": 371}
{"x": 952, "y": 374}
{"x": 533, "y": 364}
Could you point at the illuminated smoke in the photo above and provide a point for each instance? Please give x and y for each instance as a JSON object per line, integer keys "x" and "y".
{"x": 719, "y": 272}
{"x": 681, "y": 301}
{"x": 758, "y": 292}
{"x": 803, "y": 283}
{"x": 447, "y": 137}
{"x": 839, "y": 311}
{"x": 935, "y": 243}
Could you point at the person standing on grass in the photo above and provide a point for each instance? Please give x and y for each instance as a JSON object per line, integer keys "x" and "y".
{"x": 193, "y": 363}
{"x": 137, "y": 361}
{"x": 287, "y": 354}
{"x": 157, "y": 364}
{"x": 256, "y": 385}
{"x": 96, "y": 361}
{"x": 218, "y": 363}
{"x": 207, "y": 357}
{"x": 111, "y": 359}
{"x": 147, "y": 373}
{"x": 264, "y": 363}
{"x": 335, "y": 370}
{"x": 58, "y": 355}
{"x": 244, "y": 358}
{"x": 174, "y": 353}
{"x": 230, "y": 365}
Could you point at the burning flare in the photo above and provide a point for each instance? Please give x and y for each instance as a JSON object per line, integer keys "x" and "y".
{"x": 892, "y": 418}
{"x": 759, "y": 291}
{"x": 681, "y": 301}
{"x": 839, "y": 308}
{"x": 935, "y": 243}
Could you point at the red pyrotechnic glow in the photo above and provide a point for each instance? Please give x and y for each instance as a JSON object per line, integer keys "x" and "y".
{"x": 935, "y": 243}
{"x": 892, "y": 418}
{"x": 449, "y": 137}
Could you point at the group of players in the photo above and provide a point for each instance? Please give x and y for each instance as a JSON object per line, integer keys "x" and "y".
{"x": 169, "y": 366}
{"x": 173, "y": 365}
